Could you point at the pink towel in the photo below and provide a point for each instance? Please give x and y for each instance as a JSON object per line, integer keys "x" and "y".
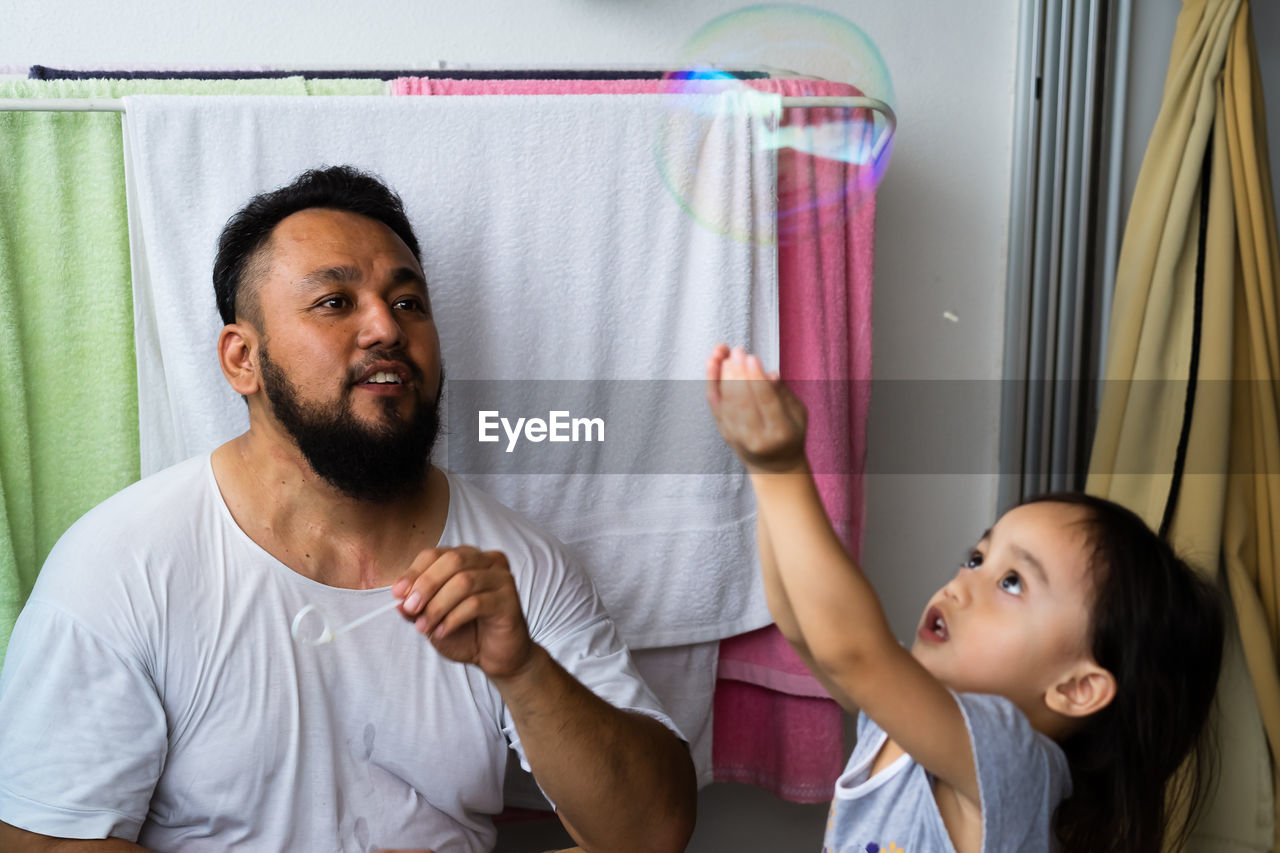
{"x": 768, "y": 730}
{"x": 774, "y": 725}
{"x": 452, "y": 86}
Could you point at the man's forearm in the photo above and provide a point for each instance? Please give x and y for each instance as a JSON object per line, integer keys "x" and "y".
{"x": 14, "y": 840}
{"x": 620, "y": 781}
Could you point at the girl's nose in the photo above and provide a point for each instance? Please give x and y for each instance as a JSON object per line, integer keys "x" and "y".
{"x": 957, "y": 589}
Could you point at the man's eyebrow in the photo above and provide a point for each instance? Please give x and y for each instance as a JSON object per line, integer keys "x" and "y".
{"x": 343, "y": 274}
{"x": 329, "y": 275}
{"x": 408, "y": 275}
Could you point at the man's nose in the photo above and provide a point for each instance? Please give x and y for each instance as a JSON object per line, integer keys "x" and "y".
{"x": 379, "y": 326}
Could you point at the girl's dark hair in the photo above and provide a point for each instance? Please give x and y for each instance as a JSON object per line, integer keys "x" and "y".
{"x": 1157, "y": 626}
{"x": 334, "y": 188}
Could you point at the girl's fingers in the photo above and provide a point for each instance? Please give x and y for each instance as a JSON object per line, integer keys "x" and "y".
{"x": 713, "y": 374}
{"x": 748, "y": 401}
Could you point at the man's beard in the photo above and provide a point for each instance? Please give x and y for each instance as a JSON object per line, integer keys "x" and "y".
{"x": 376, "y": 463}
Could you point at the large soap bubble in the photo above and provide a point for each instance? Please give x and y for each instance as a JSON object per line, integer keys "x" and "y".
{"x": 830, "y": 159}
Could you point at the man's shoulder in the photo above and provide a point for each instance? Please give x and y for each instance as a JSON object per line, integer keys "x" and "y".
{"x": 536, "y": 557}
{"x": 145, "y": 510}
{"x": 473, "y": 510}
{"x": 99, "y": 567}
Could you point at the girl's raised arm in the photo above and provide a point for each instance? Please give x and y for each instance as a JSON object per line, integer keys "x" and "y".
{"x": 775, "y": 595}
{"x": 824, "y": 598}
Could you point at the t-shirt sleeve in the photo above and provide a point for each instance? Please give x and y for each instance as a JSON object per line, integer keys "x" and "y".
{"x": 567, "y": 619}
{"x": 82, "y": 731}
{"x": 1022, "y": 774}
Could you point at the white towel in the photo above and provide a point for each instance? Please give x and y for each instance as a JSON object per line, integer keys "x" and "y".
{"x": 561, "y": 241}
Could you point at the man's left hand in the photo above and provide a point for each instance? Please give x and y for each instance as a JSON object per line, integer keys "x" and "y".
{"x": 464, "y": 600}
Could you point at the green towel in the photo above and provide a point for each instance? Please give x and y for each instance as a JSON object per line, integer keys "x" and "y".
{"x": 347, "y": 86}
{"x": 69, "y": 409}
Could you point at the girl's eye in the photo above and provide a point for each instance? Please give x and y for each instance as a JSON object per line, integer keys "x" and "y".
{"x": 972, "y": 561}
{"x": 1011, "y": 583}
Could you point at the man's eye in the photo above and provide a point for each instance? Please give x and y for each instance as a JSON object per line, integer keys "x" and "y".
{"x": 409, "y": 303}
{"x": 1011, "y": 583}
{"x": 334, "y": 302}
{"x": 972, "y": 561}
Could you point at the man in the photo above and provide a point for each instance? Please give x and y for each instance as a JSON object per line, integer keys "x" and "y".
{"x": 152, "y": 692}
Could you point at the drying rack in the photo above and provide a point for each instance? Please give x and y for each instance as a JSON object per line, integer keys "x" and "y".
{"x": 116, "y": 105}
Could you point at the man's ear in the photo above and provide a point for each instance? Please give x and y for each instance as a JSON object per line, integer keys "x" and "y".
{"x": 1084, "y": 690}
{"x": 238, "y": 357}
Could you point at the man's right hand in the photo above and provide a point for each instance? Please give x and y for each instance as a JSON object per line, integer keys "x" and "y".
{"x": 465, "y": 601}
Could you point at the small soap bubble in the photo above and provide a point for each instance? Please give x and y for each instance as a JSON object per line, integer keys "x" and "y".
{"x": 830, "y": 160}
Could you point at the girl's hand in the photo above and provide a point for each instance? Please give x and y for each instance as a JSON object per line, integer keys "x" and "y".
{"x": 756, "y": 413}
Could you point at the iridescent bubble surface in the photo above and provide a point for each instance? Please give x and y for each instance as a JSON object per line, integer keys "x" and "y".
{"x": 830, "y": 160}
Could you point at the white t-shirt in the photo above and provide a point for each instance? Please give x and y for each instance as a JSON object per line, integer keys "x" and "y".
{"x": 152, "y": 690}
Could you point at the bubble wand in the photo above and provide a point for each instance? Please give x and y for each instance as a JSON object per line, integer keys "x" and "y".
{"x": 327, "y": 634}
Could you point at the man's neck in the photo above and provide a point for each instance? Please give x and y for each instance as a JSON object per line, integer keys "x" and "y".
{"x": 316, "y": 530}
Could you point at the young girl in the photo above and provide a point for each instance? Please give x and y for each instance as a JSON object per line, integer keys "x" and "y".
{"x": 1055, "y": 684}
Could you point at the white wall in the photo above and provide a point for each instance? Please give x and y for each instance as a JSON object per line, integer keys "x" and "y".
{"x": 941, "y": 233}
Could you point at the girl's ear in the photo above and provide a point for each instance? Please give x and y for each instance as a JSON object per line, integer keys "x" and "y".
{"x": 238, "y": 357}
{"x": 1085, "y": 690}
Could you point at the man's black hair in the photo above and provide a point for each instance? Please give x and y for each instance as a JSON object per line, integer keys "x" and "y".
{"x": 335, "y": 188}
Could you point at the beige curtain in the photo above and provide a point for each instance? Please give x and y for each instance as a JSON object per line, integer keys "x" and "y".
{"x": 1187, "y": 434}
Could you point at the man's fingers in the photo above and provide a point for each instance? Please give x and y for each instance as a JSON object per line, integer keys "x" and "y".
{"x": 404, "y": 586}
{"x": 473, "y": 607}
{"x": 454, "y": 576}
{"x": 419, "y": 565}
{"x": 456, "y": 591}
{"x": 428, "y": 572}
